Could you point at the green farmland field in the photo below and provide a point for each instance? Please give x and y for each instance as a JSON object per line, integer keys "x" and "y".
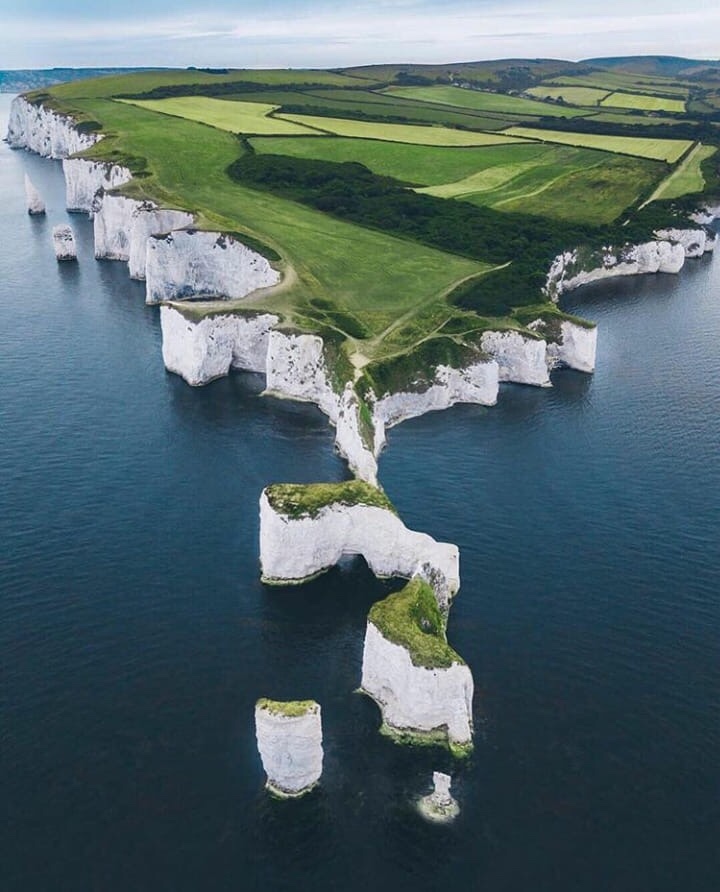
{"x": 374, "y": 275}
{"x": 419, "y": 165}
{"x": 643, "y": 102}
{"x": 575, "y": 95}
{"x": 615, "y": 80}
{"x": 481, "y": 101}
{"x": 670, "y": 150}
{"x": 236, "y": 117}
{"x": 404, "y": 133}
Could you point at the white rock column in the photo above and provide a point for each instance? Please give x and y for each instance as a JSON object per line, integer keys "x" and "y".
{"x": 439, "y": 806}
{"x": 289, "y": 739}
{"x": 35, "y": 204}
{"x": 64, "y": 243}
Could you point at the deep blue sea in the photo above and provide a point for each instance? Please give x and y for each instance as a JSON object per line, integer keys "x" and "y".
{"x": 135, "y": 635}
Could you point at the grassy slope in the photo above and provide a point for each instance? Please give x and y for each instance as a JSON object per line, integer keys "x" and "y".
{"x": 405, "y": 133}
{"x": 657, "y": 149}
{"x": 687, "y": 178}
{"x": 615, "y": 80}
{"x": 297, "y": 500}
{"x": 235, "y": 117}
{"x": 371, "y": 273}
{"x": 480, "y": 101}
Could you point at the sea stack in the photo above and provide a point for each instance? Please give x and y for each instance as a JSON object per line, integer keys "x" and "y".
{"x": 64, "y": 243}
{"x": 289, "y": 738}
{"x": 439, "y": 806}
{"x": 35, "y": 204}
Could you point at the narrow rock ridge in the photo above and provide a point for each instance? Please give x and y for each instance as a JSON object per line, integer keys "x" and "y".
{"x": 35, "y": 204}
{"x": 294, "y": 549}
{"x": 64, "y": 243}
{"x": 289, "y": 739}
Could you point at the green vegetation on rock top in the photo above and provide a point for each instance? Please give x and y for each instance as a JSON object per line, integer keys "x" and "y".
{"x": 412, "y": 619}
{"x": 298, "y": 500}
{"x": 288, "y": 708}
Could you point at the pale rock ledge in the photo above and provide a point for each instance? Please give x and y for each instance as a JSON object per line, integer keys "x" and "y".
{"x": 308, "y": 531}
{"x": 195, "y": 264}
{"x": 289, "y": 739}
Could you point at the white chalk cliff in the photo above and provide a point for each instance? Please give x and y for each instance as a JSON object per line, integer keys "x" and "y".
{"x": 200, "y": 351}
{"x": 695, "y": 242}
{"x": 195, "y": 264}
{"x": 45, "y": 132}
{"x": 295, "y": 549}
{"x": 289, "y": 739}
{"x": 521, "y": 359}
{"x": 64, "y": 243}
{"x": 575, "y": 348}
{"x": 414, "y": 699}
{"x": 572, "y": 269}
{"x": 85, "y": 178}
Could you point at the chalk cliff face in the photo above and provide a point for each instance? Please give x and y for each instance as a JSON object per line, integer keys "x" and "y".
{"x": 149, "y": 220}
{"x": 477, "y": 383}
{"x": 296, "y": 549}
{"x": 520, "y": 359}
{"x": 290, "y": 745}
{"x": 43, "y": 131}
{"x": 570, "y": 270}
{"x": 194, "y": 264}
{"x": 112, "y": 222}
{"x": 415, "y": 699}
{"x": 296, "y": 369}
{"x": 695, "y": 242}
{"x": 84, "y": 179}
{"x": 573, "y": 347}
{"x": 201, "y": 351}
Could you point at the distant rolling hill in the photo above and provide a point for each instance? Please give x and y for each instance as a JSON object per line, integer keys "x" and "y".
{"x": 21, "y": 79}
{"x": 667, "y": 66}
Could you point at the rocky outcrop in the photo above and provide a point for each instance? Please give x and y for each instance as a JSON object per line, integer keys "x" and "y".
{"x": 210, "y": 265}
{"x": 569, "y": 344}
{"x": 439, "y": 806}
{"x": 706, "y": 214}
{"x": 289, "y": 739}
{"x": 305, "y": 530}
{"x": 202, "y": 350}
{"x": 476, "y": 383}
{"x": 418, "y": 703}
{"x": 695, "y": 242}
{"x": 575, "y": 268}
{"x": 44, "y": 131}
{"x": 521, "y": 359}
{"x": 35, "y": 204}
{"x": 64, "y": 243}
{"x": 84, "y": 179}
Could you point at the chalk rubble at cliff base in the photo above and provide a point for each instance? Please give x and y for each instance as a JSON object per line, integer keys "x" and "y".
{"x": 289, "y": 739}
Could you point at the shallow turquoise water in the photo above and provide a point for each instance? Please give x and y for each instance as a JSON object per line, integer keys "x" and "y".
{"x": 135, "y": 635}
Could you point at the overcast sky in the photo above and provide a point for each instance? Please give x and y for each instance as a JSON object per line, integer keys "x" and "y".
{"x": 320, "y": 33}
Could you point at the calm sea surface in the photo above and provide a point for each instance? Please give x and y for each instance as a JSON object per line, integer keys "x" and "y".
{"x": 135, "y": 635}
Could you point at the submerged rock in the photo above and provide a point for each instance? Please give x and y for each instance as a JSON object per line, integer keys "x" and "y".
{"x": 64, "y": 243}
{"x": 35, "y": 204}
{"x": 439, "y": 806}
{"x": 289, "y": 739}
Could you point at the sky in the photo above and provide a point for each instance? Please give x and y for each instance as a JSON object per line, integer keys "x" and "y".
{"x": 331, "y": 33}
